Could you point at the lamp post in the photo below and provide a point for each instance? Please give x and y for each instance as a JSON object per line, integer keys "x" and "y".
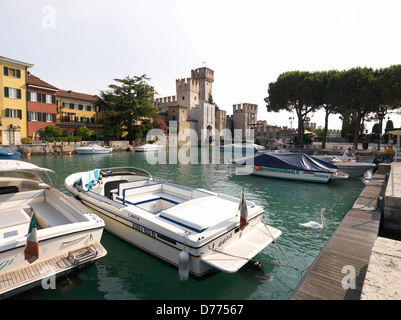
{"x": 291, "y": 120}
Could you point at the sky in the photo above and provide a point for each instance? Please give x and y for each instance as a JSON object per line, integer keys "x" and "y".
{"x": 84, "y": 45}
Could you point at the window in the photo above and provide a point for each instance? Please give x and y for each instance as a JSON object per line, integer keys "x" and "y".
{"x": 13, "y": 113}
{"x": 33, "y": 116}
{"x": 12, "y": 93}
{"x": 10, "y": 72}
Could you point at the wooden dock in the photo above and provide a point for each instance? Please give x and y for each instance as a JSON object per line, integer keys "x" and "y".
{"x": 339, "y": 270}
{"x": 13, "y": 282}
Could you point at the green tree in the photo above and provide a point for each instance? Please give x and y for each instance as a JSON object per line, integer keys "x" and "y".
{"x": 83, "y": 132}
{"x": 52, "y": 131}
{"x": 358, "y": 96}
{"x": 128, "y": 101}
{"x": 292, "y": 91}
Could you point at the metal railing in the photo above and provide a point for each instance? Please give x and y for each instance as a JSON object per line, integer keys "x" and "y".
{"x": 396, "y": 163}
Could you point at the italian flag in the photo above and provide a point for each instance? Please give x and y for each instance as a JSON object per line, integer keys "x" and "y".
{"x": 31, "y": 251}
{"x": 244, "y": 212}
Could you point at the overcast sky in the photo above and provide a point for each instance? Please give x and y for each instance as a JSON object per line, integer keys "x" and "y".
{"x": 83, "y": 45}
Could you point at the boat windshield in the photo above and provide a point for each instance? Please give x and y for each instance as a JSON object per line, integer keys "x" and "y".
{"x": 34, "y": 173}
{"x": 124, "y": 171}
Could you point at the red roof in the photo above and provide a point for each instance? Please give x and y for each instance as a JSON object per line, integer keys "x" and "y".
{"x": 33, "y": 80}
{"x": 76, "y": 95}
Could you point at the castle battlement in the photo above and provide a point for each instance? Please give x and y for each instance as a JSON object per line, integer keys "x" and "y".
{"x": 245, "y": 107}
{"x": 203, "y": 73}
{"x": 166, "y": 99}
{"x": 187, "y": 84}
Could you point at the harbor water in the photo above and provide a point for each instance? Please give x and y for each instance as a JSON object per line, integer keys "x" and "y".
{"x": 128, "y": 273}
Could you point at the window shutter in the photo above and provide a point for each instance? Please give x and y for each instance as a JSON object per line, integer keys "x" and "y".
{"x": 80, "y": 107}
{"x": 6, "y": 71}
{"x": 43, "y": 97}
{"x": 18, "y": 73}
{"x": 28, "y": 95}
{"x": 19, "y": 114}
{"x": 54, "y": 117}
{"x": 7, "y": 113}
{"x": 29, "y": 116}
{"x": 39, "y": 116}
{"x": 39, "y": 97}
{"x": 18, "y": 93}
{"x": 53, "y": 99}
{"x": 6, "y": 92}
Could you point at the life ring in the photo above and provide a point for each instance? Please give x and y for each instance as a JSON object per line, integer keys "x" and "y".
{"x": 257, "y": 168}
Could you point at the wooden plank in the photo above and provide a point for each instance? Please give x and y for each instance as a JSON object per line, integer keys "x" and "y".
{"x": 39, "y": 270}
{"x": 350, "y": 244}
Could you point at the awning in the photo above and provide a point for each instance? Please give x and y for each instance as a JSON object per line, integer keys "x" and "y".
{"x": 395, "y": 132}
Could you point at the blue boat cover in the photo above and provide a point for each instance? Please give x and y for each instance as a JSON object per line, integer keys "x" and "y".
{"x": 7, "y": 153}
{"x": 294, "y": 161}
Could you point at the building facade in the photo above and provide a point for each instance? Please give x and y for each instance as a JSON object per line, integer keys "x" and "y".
{"x": 76, "y": 109}
{"x": 13, "y": 100}
{"x": 42, "y": 105}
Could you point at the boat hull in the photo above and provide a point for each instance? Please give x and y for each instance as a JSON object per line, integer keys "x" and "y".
{"x": 164, "y": 220}
{"x": 167, "y": 249}
{"x": 289, "y": 174}
{"x": 92, "y": 151}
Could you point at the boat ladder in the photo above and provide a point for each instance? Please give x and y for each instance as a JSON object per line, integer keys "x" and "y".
{"x": 83, "y": 254}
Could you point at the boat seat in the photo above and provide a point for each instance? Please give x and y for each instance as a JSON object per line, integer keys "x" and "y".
{"x": 13, "y": 222}
{"x": 47, "y": 216}
{"x": 140, "y": 190}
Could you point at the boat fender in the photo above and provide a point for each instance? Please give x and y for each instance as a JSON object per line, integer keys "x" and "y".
{"x": 257, "y": 168}
{"x": 183, "y": 265}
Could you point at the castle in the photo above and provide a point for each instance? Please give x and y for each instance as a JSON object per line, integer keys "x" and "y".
{"x": 193, "y": 108}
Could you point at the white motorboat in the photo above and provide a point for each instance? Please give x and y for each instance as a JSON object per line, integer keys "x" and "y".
{"x": 149, "y": 147}
{"x": 93, "y": 148}
{"x": 243, "y": 147}
{"x": 63, "y": 233}
{"x": 290, "y": 166}
{"x": 193, "y": 229}
{"x": 352, "y": 168}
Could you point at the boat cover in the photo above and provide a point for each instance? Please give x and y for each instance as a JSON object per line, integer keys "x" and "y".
{"x": 294, "y": 161}
{"x": 7, "y": 153}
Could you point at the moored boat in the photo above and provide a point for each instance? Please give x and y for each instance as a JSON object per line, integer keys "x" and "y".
{"x": 93, "y": 148}
{"x": 191, "y": 229}
{"x": 352, "y": 168}
{"x": 43, "y": 232}
{"x": 243, "y": 147}
{"x": 149, "y": 147}
{"x": 291, "y": 166}
{"x": 7, "y": 153}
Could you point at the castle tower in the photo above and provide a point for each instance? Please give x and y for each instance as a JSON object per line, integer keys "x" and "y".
{"x": 205, "y": 76}
{"x": 245, "y": 116}
{"x": 187, "y": 92}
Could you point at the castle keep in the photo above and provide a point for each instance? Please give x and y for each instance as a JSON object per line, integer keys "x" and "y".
{"x": 193, "y": 108}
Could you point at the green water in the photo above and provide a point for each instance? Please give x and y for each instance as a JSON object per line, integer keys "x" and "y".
{"x": 127, "y": 273}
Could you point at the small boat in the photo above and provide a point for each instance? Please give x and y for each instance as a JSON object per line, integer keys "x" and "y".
{"x": 291, "y": 166}
{"x": 93, "y": 148}
{"x": 243, "y": 147}
{"x": 149, "y": 147}
{"x": 352, "y": 168}
{"x": 43, "y": 232}
{"x": 8, "y": 154}
{"x": 193, "y": 229}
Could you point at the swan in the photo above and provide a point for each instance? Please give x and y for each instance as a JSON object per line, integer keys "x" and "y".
{"x": 315, "y": 225}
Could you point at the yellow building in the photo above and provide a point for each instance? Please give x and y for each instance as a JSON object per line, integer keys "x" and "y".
{"x": 13, "y": 100}
{"x": 77, "y": 109}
